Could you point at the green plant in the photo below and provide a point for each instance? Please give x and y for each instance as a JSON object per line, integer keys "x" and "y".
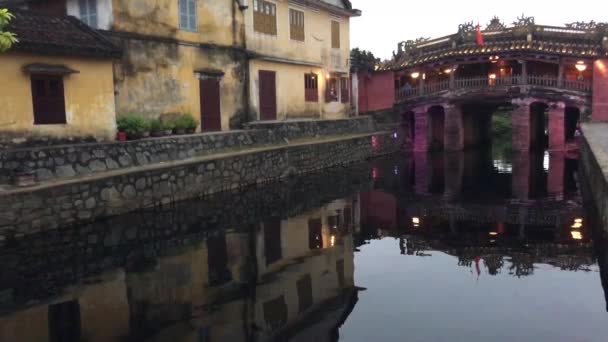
{"x": 7, "y": 39}
{"x": 132, "y": 124}
{"x": 186, "y": 121}
{"x": 156, "y": 125}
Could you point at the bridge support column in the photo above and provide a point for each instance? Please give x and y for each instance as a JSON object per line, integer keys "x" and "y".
{"x": 557, "y": 126}
{"x": 521, "y": 121}
{"x": 421, "y": 185}
{"x": 520, "y": 180}
{"x": 421, "y": 130}
{"x": 556, "y": 178}
{"x": 454, "y": 128}
{"x": 454, "y": 173}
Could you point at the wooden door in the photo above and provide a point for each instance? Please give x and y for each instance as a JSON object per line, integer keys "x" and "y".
{"x": 268, "y": 95}
{"x": 211, "y": 117}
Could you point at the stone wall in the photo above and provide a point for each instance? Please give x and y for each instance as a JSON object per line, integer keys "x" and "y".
{"x": 72, "y": 160}
{"x": 593, "y": 161}
{"x": 45, "y": 207}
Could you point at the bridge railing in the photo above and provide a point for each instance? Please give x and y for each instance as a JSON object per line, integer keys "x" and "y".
{"x": 435, "y": 87}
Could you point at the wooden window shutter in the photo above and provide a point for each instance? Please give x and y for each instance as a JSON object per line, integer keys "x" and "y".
{"x": 335, "y": 34}
{"x": 331, "y": 90}
{"x": 311, "y": 88}
{"x": 296, "y": 25}
{"x": 265, "y": 17}
{"x": 344, "y": 91}
{"x": 48, "y": 99}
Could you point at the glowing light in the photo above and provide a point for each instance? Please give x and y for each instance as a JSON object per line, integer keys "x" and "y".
{"x": 332, "y": 241}
{"x": 395, "y": 135}
{"x": 577, "y": 225}
{"x": 375, "y": 173}
{"x": 415, "y": 74}
{"x": 576, "y": 235}
{"x": 493, "y": 233}
{"x": 447, "y": 71}
{"x": 492, "y": 76}
{"x": 580, "y": 66}
{"x": 578, "y": 220}
{"x": 416, "y": 220}
{"x": 327, "y": 76}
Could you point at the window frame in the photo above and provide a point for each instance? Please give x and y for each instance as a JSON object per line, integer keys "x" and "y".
{"x": 40, "y": 102}
{"x": 88, "y": 12}
{"x": 265, "y": 17}
{"x": 332, "y": 82}
{"x": 335, "y": 44}
{"x": 345, "y": 90}
{"x": 191, "y": 15}
{"x": 298, "y": 14}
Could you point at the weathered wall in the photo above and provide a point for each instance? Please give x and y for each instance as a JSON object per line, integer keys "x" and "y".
{"x": 157, "y": 72}
{"x": 315, "y": 49}
{"x": 599, "y": 106}
{"x": 156, "y": 77}
{"x": 50, "y": 206}
{"x": 89, "y": 99}
{"x": 376, "y": 91}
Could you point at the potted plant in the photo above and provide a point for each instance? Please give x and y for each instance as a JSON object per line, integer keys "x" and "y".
{"x": 134, "y": 125}
{"x": 146, "y": 128}
{"x": 121, "y": 124}
{"x": 168, "y": 127}
{"x": 189, "y": 123}
{"x": 156, "y": 128}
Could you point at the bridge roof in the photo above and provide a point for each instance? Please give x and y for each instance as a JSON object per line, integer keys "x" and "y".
{"x": 523, "y": 39}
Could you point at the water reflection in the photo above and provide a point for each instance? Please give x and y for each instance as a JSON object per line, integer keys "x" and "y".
{"x": 429, "y": 237}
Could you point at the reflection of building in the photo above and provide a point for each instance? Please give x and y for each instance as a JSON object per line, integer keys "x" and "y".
{"x": 269, "y": 281}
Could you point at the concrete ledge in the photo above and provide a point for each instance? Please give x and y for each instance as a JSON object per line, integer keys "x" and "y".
{"x": 594, "y": 168}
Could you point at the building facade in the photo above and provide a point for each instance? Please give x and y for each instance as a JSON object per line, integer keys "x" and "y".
{"x": 300, "y": 58}
{"x": 59, "y": 81}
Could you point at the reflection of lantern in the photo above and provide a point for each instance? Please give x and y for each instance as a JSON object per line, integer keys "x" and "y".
{"x": 332, "y": 241}
{"x": 576, "y": 235}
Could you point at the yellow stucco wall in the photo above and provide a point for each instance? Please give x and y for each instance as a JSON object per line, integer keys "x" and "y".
{"x": 89, "y": 98}
{"x": 215, "y": 20}
{"x": 158, "y": 78}
{"x": 315, "y": 50}
{"x": 290, "y": 92}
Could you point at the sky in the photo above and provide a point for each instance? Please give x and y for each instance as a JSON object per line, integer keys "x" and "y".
{"x": 384, "y": 23}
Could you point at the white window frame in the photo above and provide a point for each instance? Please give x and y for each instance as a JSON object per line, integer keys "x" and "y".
{"x": 188, "y": 21}
{"x": 88, "y": 12}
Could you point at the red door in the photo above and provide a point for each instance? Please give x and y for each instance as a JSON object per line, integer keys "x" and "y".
{"x": 268, "y": 95}
{"x": 211, "y": 118}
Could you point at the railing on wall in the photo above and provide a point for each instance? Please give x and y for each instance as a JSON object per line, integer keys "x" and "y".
{"x": 430, "y": 88}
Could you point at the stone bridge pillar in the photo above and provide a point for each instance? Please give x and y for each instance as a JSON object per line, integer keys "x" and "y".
{"x": 557, "y": 126}
{"x": 421, "y": 183}
{"x": 454, "y": 128}
{"x": 556, "y": 177}
{"x": 520, "y": 180}
{"x": 520, "y": 119}
{"x": 421, "y": 129}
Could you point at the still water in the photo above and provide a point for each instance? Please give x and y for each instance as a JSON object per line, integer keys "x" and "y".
{"x": 450, "y": 247}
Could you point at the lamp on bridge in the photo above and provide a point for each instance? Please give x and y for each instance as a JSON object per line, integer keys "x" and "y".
{"x": 580, "y": 66}
{"x": 415, "y": 75}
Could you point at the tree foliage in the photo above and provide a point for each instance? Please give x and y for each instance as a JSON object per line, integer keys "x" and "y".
{"x": 7, "y": 39}
{"x": 362, "y": 61}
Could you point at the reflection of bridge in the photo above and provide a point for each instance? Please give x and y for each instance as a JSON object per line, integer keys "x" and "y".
{"x": 447, "y": 88}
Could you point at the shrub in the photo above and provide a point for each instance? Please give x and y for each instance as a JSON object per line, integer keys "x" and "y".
{"x": 132, "y": 124}
{"x": 156, "y": 125}
{"x": 185, "y": 121}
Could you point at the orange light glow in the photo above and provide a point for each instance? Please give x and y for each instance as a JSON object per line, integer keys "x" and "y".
{"x": 332, "y": 241}
{"x": 576, "y": 235}
{"x": 493, "y": 233}
{"x": 415, "y": 75}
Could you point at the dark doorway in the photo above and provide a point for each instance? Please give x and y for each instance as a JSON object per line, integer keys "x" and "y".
{"x": 539, "y": 138}
{"x": 437, "y": 123}
{"x": 64, "y": 322}
{"x": 217, "y": 258}
{"x": 211, "y": 118}
{"x": 268, "y": 95}
{"x": 573, "y": 116}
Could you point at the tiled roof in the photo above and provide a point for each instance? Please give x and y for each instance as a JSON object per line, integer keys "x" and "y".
{"x": 62, "y": 35}
{"x": 531, "y": 40}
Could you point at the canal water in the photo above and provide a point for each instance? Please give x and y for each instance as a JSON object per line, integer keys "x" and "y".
{"x": 475, "y": 246}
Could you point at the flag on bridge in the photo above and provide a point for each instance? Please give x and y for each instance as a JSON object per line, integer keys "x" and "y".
{"x": 479, "y": 35}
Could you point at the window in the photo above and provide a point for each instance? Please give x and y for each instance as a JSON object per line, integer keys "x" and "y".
{"x": 344, "y": 90}
{"x": 335, "y": 34}
{"x": 296, "y": 25}
{"x": 272, "y": 241}
{"x": 265, "y": 17}
{"x": 48, "y": 100}
{"x": 187, "y": 15}
{"x": 311, "y": 88}
{"x": 88, "y": 12}
{"x": 331, "y": 90}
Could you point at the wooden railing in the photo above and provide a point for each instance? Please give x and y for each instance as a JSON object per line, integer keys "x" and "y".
{"x": 432, "y": 88}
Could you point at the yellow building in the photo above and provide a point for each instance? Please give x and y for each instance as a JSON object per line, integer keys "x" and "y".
{"x": 57, "y": 80}
{"x": 300, "y": 58}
